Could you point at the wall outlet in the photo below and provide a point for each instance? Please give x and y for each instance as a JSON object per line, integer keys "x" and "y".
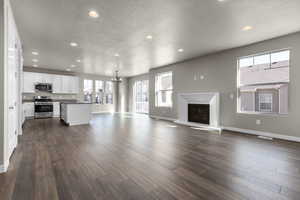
{"x": 258, "y": 122}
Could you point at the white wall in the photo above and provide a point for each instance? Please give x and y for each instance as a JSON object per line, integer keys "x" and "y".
{"x": 2, "y": 85}
{"x": 5, "y": 8}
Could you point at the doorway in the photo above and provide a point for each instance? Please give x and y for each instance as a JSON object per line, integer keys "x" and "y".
{"x": 141, "y": 96}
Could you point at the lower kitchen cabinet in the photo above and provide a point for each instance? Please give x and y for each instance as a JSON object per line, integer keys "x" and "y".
{"x": 28, "y": 109}
{"x": 56, "y": 109}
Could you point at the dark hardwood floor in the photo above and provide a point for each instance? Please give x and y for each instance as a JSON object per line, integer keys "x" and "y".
{"x": 134, "y": 157}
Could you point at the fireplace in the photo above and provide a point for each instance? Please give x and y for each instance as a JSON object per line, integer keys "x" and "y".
{"x": 199, "y": 109}
{"x": 198, "y": 113}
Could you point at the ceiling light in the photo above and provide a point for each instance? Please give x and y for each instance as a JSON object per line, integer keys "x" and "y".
{"x": 221, "y": 0}
{"x": 73, "y": 44}
{"x": 180, "y": 50}
{"x": 68, "y": 69}
{"x": 34, "y": 65}
{"x": 35, "y": 53}
{"x": 117, "y": 55}
{"x": 78, "y": 60}
{"x": 73, "y": 66}
{"x": 149, "y": 37}
{"x": 93, "y": 14}
{"x": 247, "y": 28}
{"x": 35, "y": 60}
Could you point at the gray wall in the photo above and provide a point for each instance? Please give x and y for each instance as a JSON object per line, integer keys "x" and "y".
{"x": 1, "y": 82}
{"x": 220, "y": 72}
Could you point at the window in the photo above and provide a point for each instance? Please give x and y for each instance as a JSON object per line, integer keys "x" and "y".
{"x": 140, "y": 96}
{"x": 263, "y": 82}
{"x": 109, "y": 92}
{"x": 99, "y": 91}
{"x": 265, "y": 102}
{"x": 88, "y": 90}
{"x": 163, "y": 89}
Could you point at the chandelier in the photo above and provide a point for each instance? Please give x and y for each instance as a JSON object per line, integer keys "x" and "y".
{"x": 117, "y": 78}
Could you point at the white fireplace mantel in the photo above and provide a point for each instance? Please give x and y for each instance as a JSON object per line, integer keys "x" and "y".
{"x": 211, "y": 98}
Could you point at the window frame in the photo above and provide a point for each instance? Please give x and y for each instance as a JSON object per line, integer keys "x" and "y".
{"x": 90, "y": 93}
{"x": 238, "y": 85}
{"x": 135, "y": 96}
{"x": 106, "y": 93}
{"x": 166, "y": 90}
{"x": 260, "y": 102}
{"x": 96, "y": 92}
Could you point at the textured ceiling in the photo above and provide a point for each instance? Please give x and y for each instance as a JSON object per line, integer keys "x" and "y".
{"x": 197, "y": 26}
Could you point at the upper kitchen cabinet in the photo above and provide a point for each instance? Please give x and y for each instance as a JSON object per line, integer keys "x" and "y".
{"x": 57, "y": 84}
{"x": 29, "y": 80}
{"x": 60, "y": 84}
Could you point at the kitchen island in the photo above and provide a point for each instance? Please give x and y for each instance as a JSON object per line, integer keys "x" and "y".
{"x": 75, "y": 113}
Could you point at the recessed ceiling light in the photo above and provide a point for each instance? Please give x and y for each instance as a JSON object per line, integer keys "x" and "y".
{"x": 149, "y": 37}
{"x": 34, "y": 65}
{"x": 247, "y": 28}
{"x": 180, "y": 50}
{"x": 35, "y": 60}
{"x": 93, "y": 14}
{"x": 73, "y": 66}
{"x": 221, "y": 0}
{"x": 78, "y": 60}
{"x": 35, "y": 53}
{"x": 73, "y": 44}
{"x": 117, "y": 55}
{"x": 68, "y": 69}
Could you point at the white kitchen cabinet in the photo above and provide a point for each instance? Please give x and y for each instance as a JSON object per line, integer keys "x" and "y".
{"x": 76, "y": 113}
{"x": 28, "y": 109}
{"x": 67, "y": 84}
{"x": 29, "y": 80}
{"x": 75, "y": 85}
{"x": 56, "y": 109}
{"x": 57, "y": 84}
{"x": 60, "y": 84}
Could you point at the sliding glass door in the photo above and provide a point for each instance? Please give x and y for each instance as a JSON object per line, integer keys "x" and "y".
{"x": 140, "y": 96}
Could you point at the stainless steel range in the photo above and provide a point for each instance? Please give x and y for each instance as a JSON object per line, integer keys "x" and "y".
{"x": 43, "y": 107}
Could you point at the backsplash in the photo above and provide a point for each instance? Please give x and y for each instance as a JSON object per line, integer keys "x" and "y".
{"x": 29, "y": 96}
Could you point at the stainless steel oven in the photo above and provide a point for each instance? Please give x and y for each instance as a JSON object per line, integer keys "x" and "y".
{"x": 43, "y": 87}
{"x": 43, "y": 107}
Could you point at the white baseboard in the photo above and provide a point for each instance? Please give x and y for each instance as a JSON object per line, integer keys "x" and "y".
{"x": 199, "y": 125}
{"x": 4, "y": 167}
{"x": 101, "y": 112}
{"x": 262, "y": 133}
{"x": 79, "y": 123}
{"x": 163, "y": 118}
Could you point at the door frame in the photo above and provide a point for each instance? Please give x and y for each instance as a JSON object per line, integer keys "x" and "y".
{"x": 6, "y": 151}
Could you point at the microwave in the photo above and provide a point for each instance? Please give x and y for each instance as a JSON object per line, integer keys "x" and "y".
{"x": 43, "y": 87}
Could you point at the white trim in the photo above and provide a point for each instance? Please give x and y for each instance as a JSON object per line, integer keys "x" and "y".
{"x": 102, "y": 112}
{"x": 262, "y": 133}
{"x": 163, "y": 118}
{"x": 78, "y": 123}
{"x": 198, "y": 125}
{"x": 4, "y": 167}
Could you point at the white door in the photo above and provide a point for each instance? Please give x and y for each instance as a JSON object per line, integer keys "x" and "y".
{"x": 12, "y": 82}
